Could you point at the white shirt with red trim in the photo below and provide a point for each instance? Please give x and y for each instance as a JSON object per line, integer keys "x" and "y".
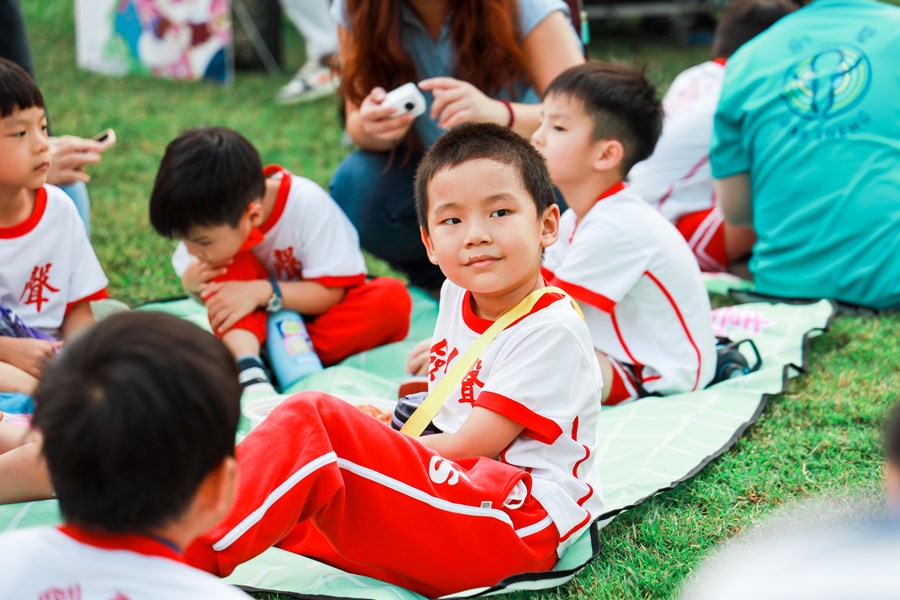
{"x": 640, "y": 289}
{"x": 49, "y": 564}
{"x": 307, "y": 237}
{"x": 540, "y": 372}
{"x": 676, "y": 179}
{"x": 47, "y": 264}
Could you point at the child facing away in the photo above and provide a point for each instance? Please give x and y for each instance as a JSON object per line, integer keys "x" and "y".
{"x": 676, "y": 179}
{"x": 514, "y": 463}
{"x": 633, "y": 274}
{"x": 255, "y": 240}
{"x": 139, "y": 419}
{"x": 48, "y": 270}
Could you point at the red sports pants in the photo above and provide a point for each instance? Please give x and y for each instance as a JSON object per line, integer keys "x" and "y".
{"x": 320, "y": 478}
{"x": 705, "y": 233}
{"x": 246, "y": 267}
{"x": 371, "y": 314}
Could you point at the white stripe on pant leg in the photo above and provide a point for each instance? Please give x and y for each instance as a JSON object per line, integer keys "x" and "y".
{"x": 253, "y": 518}
{"x": 530, "y": 529}
{"x": 417, "y": 494}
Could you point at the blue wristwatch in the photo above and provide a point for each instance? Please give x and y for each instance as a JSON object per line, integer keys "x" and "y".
{"x": 276, "y": 302}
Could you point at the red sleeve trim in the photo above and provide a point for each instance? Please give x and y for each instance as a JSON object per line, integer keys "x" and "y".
{"x": 31, "y": 221}
{"x": 342, "y": 281}
{"x": 95, "y": 296}
{"x": 537, "y": 426}
{"x": 596, "y": 300}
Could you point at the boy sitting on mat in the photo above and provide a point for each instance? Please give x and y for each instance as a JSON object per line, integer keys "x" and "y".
{"x": 138, "y": 419}
{"x": 629, "y": 268}
{"x": 510, "y": 482}
{"x": 255, "y": 240}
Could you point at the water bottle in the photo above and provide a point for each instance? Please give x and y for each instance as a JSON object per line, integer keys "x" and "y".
{"x": 290, "y": 349}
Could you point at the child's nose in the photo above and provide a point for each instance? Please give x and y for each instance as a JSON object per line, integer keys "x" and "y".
{"x": 477, "y": 233}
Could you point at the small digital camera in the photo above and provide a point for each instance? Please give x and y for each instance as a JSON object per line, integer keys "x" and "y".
{"x": 405, "y": 99}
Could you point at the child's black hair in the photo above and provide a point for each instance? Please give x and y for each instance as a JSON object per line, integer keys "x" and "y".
{"x": 18, "y": 91}
{"x": 622, "y": 103}
{"x": 493, "y": 142}
{"x": 743, "y": 20}
{"x": 892, "y": 436}
{"x": 135, "y": 413}
{"x": 207, "y": 177}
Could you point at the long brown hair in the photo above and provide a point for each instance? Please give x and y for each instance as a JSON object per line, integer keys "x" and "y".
{"x": 485, "y": 34}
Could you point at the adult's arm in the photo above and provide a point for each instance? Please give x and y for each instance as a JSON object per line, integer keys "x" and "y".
{"x": 734, "y": 197}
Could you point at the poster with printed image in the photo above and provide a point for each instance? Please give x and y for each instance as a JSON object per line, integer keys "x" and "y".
{"x": 176, "y": 39}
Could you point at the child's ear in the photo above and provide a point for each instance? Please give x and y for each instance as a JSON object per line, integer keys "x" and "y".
{"x": 549, "y": 226}
{"x": 255, "y": 213}
{"x": 609, "y": 156}
{"x": 429, "y": 246}
{"x": 216, "y": 492}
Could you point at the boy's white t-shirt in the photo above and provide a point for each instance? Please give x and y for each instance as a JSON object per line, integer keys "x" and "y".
{"x": 676, "y": 179}
{"x": 542, "y": 373}
{"x": 47, "y": 263}
{"x": 46, "y": 564}
{"x": 307, "y": 237}
{"x": 640, "y": 289}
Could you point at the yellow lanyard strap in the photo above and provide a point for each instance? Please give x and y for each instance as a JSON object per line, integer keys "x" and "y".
{"x": 423, "y": 415}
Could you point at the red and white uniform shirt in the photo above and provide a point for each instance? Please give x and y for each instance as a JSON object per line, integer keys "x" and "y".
{"x": 542, "y": 373}
{"x": 676, "y": 179}
{"x": 71, "y": 564}
{"x": 640, "y": 289}
{"x": 47, "y": 264}
{"x": 307, "y": 237}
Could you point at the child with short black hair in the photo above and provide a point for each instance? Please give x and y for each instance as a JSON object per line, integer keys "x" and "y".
{"x": 634, "y": 275}
{"x": 676, "y": 179}
{"x": 138, "y": 419}
{"x": 48, "y": 270}
{"x": 255, "y": 239}
{"x": 514, "y": 462}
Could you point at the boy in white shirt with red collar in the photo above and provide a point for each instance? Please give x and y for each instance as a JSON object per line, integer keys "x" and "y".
{"x": 510, "y": 482}
{"x": 138, "y": 418}
{"x": 48, "y": 270}
{"x": 628, "y": 267}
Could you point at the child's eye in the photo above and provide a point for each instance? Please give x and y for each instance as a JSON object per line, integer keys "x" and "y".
{"x": 451, "y": 221}
{"x": 18, "y": 134}
{"x": 558, "y": 128}
{"x": 501, "y": 212}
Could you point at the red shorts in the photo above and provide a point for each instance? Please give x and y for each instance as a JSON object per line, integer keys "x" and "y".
{"x": 626, "y": 383}
{"x": 322, "y": 479}
{"x": 705, "y": 233}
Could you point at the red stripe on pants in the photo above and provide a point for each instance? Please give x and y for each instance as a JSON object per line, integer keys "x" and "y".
{"x": 341, "y": 487}
{"x": 370, "y": 314}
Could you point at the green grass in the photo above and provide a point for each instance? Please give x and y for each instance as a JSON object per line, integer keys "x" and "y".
{"x": 821, "y": 437}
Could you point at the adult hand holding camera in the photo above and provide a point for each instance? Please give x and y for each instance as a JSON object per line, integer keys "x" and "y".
{"x": 373, "y": 126}
{"x": 457, "y": 102}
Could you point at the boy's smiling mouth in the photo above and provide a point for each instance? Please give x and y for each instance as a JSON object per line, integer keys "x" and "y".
{"x": 481, "y": 261}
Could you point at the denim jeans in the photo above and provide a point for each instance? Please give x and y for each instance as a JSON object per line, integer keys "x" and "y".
{"x": 78, "y": 192}
{"x": 377, "y": 195}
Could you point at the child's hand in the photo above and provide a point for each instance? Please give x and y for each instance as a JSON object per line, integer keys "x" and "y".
{"x": 29, "y": 354}
{"x": 417, "y": 363}
{"x": 230, "y": 301}
{"x": 457, "y": 102}
{"x": 199, "y": 272}
{"x": 378, "y": 122}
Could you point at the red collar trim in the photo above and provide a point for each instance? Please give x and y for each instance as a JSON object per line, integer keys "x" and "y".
{"x": 255, "y": 238}
{"x": 719, "y": 60}
{"x": 31, "y": 221}
{"x": 280, "y": 199}
{"x": 479, "y": 325}
{"x": 140, "y": 544}
{"x": 614, "y": 189}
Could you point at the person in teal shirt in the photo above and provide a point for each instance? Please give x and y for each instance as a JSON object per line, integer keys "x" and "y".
{"x": 806, "y": 148}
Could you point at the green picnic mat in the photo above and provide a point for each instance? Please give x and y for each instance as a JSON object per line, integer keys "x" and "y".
{"x": 646, "y": 446}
